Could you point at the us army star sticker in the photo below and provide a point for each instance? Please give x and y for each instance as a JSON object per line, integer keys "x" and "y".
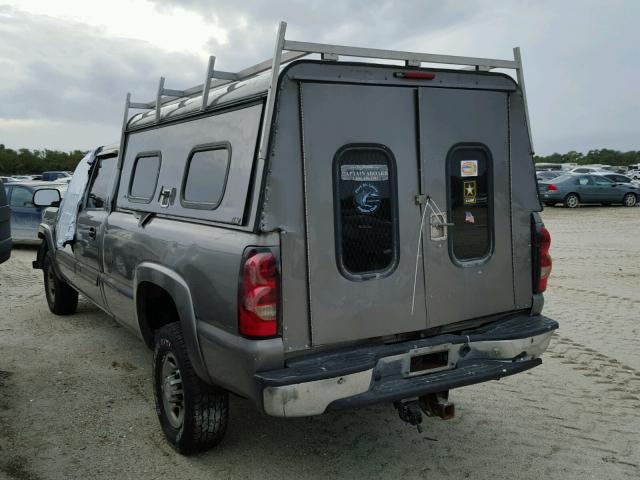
{"x": 469, "y": 192}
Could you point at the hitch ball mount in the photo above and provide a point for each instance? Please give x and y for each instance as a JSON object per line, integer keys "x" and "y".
{"x": 433, "y": 405}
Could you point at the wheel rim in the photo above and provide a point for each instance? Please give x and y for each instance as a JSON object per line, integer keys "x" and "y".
{"x": 51, "y": 285}
{"x": 172, "y": 394}
{"x": 572, "y": 201}
{"x": 630, "y": 200}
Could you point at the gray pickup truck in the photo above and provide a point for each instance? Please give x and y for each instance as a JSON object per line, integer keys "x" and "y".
{"x": 314, "y": 235}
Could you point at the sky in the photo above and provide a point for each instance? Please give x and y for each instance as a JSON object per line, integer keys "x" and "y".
{"x": 66, "y": 65}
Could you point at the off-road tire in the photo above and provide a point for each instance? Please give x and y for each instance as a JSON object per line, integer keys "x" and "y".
{"x": 205, "y": 407}
{"x": 571, "y": 201}
{"x": 630, "y": 200}
{"x": 61, "y": 297}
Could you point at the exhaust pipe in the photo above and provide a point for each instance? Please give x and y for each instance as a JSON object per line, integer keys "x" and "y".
{"x": 438, "y": 405}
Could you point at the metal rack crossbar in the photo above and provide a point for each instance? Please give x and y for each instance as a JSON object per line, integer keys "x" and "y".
{"x": 288, "y": 50}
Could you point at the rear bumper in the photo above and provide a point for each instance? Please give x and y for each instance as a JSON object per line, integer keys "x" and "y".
{"x": 551, "y": 197}
{"x": 371, "y": 374}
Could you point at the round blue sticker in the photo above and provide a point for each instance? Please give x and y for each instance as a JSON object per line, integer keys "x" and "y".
{"x": 367, "y": 198}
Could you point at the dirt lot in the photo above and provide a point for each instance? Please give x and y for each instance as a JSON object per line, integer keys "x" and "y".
{"x": 76, "y": 400}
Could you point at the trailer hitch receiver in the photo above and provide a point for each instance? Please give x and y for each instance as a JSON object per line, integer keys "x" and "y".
{"x": 438, "y": 405}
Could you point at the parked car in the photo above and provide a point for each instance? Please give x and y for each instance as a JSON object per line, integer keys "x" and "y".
{"x": 548, "y": 175}
{"x": 583, "y": 170}
{"x": 5, "y": 228}
{"x": 25, "y": 216}
{"x": 572, "y": 190}
{"x": 54, "y": 175}
{"x": 7, "y": 179}
{"x": 278, "y": 257}
{"x": 618, "y": 177}
{"x": 634, "y": 174}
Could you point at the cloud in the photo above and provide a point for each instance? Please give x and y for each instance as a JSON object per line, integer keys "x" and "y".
{"x": 251, "y": 25}
{"x": 67, "y": 73}
{"x": 579, "y": 57}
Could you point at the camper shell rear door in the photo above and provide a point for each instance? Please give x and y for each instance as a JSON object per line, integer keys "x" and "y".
{"x": 354, "y": 115}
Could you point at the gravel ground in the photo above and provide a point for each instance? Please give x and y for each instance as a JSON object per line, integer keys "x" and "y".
{"x": 76, "y": 399}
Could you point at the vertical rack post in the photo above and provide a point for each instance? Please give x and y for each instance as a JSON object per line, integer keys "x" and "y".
{"x": 207, "y": 82}
{"x": 125, "y": 115}
{"x": 125, "y": 119}
{"x": 159, "y": 98}
{"x": 271, "y": 94}
{"x": 520, "y": 75}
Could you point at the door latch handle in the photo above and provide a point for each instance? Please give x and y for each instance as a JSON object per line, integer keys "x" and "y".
{"x": 439, "y": 226}
{"x": 92, "y": 232}
{"x": 166, "y": 197}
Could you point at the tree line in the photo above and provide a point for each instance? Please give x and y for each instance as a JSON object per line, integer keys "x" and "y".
{"x": 603, "y": 156}
{"x": 25, "y": 161}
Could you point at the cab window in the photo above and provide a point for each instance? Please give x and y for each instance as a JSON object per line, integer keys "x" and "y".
{"x": 101, "y": 182}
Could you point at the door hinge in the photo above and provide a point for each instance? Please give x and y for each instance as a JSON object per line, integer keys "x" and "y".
{"x": 421, "y": 199}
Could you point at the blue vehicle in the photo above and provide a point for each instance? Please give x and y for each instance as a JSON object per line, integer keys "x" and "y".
{"x": 571, "y": 190}
{"x": 25, "y": 216}
{"x": 54, "y": 175}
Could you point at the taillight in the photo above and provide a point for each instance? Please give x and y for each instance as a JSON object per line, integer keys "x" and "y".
{"x": 415, "y": 75}
{"x": 551, "y": 188}
{"x": 541, "y": 244}
{"x": 258, "y": 303}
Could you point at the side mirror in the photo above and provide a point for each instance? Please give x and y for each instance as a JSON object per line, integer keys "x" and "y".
{"x": 46, "y": 197}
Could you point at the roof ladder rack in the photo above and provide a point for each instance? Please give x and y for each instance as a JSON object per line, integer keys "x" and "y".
{"x": 289, "y": 50}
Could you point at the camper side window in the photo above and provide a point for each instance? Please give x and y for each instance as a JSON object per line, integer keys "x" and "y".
{"x": 205, "y": 177}
{"x": 366, "y": 220}
{"x": 470, "y": 202}
{"x": 144, "y": 178}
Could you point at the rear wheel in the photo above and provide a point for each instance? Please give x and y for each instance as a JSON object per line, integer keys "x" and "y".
{"x": 193, "y": 414}
{"x": 571, "y": 200}
{"x": 629, "y": 200}
{"x": 61, "y": 297}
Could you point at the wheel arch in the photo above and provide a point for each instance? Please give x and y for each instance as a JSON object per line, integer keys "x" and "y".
{"x": 46, "y": 235}
{"x": 153, "y": 282}
{"x": 573, "y": 193}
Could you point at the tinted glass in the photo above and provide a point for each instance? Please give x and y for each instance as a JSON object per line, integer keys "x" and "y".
{"x": 144, "y": 178}
{"x": 101, "y": 183}
{"x": 21, "y": 197}
{"x": 603, "y": 181}
{"x": 563, "y": 178}
{"x": 365, "y": 203}
{"x": 470, "y": 202}
{"x": 206, "y": 177}
{"x": 584, "y": 181}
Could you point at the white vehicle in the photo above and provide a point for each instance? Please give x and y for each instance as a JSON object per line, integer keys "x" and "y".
{"x": 633, "y": 172}
{"x": 587, "y": 170}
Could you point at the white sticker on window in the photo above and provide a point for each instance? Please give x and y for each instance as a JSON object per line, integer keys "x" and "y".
{"x": 364, "y": 173}
{"x": 468, "y": 168}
